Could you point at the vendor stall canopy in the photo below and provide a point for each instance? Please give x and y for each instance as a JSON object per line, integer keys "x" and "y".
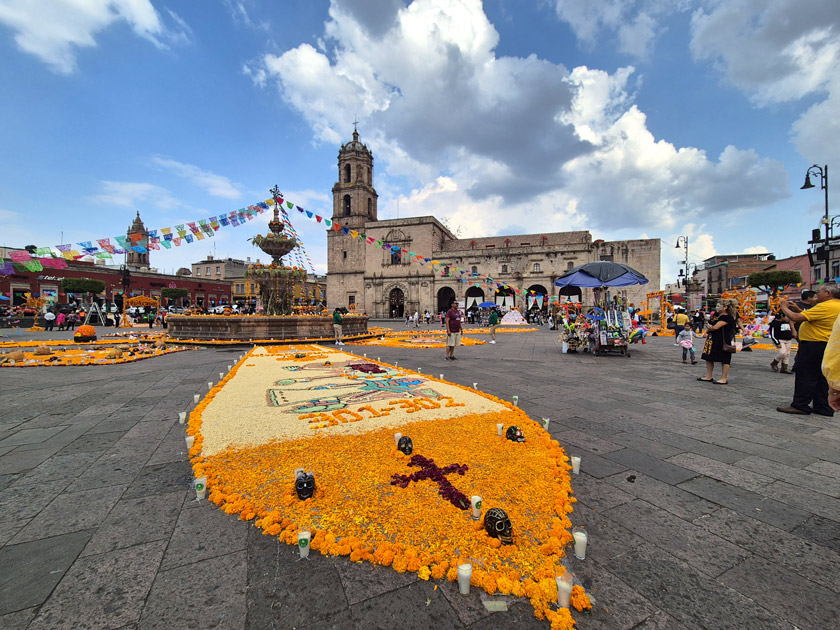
{"x": 601, "y": 273}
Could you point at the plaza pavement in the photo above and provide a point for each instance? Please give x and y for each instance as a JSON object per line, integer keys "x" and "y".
{"x": 705, "y": 507}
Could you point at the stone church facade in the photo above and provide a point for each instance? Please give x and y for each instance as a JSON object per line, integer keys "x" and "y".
{"x": 369, "y": 279}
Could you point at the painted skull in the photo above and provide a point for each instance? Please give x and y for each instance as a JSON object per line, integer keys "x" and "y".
{"x": 514, "y": 434}
{"x": 305, "y": 485}
{"x": 498, "y": 525}
{"x": 405, "y": 445}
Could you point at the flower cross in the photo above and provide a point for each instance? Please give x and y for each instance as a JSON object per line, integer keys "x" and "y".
{"x": 430, "y": 470}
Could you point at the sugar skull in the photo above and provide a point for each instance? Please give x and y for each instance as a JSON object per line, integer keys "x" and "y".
{"x": 514, "y": 434}
{"x": 304, "y": 485}
{"x": 405, "y": 445}
{"x": 498, "y": 525}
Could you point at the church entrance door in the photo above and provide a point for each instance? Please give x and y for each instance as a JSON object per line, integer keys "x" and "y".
{"x": 396, "y": 301}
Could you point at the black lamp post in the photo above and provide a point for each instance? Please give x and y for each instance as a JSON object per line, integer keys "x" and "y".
{"x": 682, "y": 241}
{"x": 822, "y": 172}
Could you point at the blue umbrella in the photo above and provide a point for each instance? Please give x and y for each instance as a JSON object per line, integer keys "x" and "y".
{"x": 601, "y": 274}
{"x": 486, "y": 304}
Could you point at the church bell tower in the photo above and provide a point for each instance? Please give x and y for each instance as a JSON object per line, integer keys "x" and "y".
{"x": 354, "y": 205}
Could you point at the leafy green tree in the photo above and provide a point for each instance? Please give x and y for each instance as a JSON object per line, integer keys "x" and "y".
{"x": 771, "y": 280}
{"x": 174, "y": 294}
{"x": 82, "y": 285}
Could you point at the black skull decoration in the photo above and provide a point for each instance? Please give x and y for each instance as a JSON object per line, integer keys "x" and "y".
{"x": 514, "y": 434}
{"x": 304, "y": 485}
{"x": 405, "y": 445}
{"x": 498, "y": 525}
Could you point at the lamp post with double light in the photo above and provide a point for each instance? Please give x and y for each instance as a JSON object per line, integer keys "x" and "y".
{"x": 822, "y": 173}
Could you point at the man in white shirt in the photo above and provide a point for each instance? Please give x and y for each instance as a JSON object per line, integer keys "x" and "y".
{"x": 49, "y": 318}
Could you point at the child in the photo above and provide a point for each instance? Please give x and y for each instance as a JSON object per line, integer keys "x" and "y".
{"x": 782, "y": 334}
{"x": 685, "y": 338}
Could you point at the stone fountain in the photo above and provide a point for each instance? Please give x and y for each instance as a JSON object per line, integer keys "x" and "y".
{"x": 276, "y": 283}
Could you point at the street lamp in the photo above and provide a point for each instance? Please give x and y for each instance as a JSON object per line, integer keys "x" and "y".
{"x": 682, "y": 241}
{"x": 823, "y": 175}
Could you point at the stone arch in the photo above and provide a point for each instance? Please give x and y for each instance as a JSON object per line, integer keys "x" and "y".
{"x": 474, "y": 297}
{"x": 396, "y": 296}
{"x": 395, "y": 236}
{"x": 533, "y": 302}
{"x": 347, "y": 204}
{"x": 505, "y": 297}
{"x": 445, "y": 296}
{"x": 347, "y": 173}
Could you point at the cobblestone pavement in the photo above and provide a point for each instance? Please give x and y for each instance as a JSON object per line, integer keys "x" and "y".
{"x": 706, "y": 508}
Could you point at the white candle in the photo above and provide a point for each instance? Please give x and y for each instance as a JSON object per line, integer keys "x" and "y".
{"x": 303, "y": 543}
{"x": 575, "y": 464}
{"x": 230, "y": 367}
{"x": 190, "y": 440}
{"x": 475, "y": 385}
{"x": 545, "y": 423}
{"x": 564, "y": 590}
{"x": 221, "y": 375}
{"x": 200, "y": 486}
{"x": 464, "y": 576}
{"x": 379, "y": 359}
{"x": 500, "y": 429}
{"x": 580, "y": 544}
{"x": 419, "y": 370}
{"x": 516, "y": 400}
{"x": 397, "y": 437}
{"x": 441, "y": 376}
{"x": 196, "y": 398}
{"x": 209, "y": 385}
{"x": 182, "y": 417}
{"x": 475, "y": 502}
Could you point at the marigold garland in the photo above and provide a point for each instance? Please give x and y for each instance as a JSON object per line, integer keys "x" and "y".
{"x": 407, "y": 528}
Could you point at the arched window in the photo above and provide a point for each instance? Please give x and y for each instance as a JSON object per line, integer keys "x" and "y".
{"x": 370, "y": 177}
{"x": 474, "y": 270}
{"x": 347, "y": 173}
{"x": 570, "y": 265}
{"x": 347, "y": 204}
{"x": 370, "y": 207}
{"x": 536, "y": 267}
{"x": 504, "y": 269}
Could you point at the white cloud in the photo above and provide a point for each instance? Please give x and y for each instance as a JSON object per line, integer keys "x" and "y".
{"x": 54, "y": 30}
{"x": 213, "y": 184}
{"x": 495, "y": 142}
{"x": 756, "y": 249}
{"x": 133, "y": 194}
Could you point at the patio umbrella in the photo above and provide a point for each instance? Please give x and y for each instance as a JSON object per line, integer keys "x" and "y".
{"x": 486, "y": 304}
{"x": 601, "y": 273}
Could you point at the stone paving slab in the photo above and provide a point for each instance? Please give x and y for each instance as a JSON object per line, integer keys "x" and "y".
{"x": 705, "y": 508}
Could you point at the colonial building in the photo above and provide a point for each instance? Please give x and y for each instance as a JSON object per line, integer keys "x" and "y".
{"x": 368, "y": 279}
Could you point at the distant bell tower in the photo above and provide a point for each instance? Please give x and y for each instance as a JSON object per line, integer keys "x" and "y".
{"x": 354, "y": 205}
{"x": 133, "y": 258}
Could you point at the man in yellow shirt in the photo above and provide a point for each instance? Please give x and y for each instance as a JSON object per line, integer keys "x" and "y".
{"x": 831, "y": 366}
{"x": 680, "y": 320}
{"x": 811, "y": 387}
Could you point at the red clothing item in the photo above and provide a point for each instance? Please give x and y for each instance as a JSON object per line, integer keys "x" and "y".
{"x": 454, "y": 317}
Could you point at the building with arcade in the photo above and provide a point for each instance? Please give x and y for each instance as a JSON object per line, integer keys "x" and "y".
{"x": 382, "y": 283}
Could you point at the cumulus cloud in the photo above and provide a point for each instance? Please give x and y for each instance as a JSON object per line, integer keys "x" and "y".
{"x": 213, "y": 184}
{"x": 498, "y": 143}
{"x": 53, "y": 31}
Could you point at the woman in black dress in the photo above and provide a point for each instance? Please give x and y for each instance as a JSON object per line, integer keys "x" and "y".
{"x": 720, "y": 329}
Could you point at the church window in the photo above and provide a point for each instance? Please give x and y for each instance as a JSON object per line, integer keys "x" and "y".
{"x": 570, "y": 265}
{"x": 536, "y": 267}
{"x": 370, "y": 207}
{"x": 370, "y": 177}
{"x": 504, "y": 269}
{"x": 347, "y": 204}
{"x": 347, "y": 173}
{"x": 474, "y": 270}
{"x": 395, "y": 258}
{"x": 344, "y": 254}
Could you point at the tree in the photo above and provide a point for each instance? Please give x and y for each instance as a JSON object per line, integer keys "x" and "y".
{"x": 174, "y": 294}
{"x": 772, "y": 280}
{"x": 82, "y": 285}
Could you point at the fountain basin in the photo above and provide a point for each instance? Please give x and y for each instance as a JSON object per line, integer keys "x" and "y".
{"x": 255, "y": 327}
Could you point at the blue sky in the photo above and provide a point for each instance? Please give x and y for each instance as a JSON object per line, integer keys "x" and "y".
{"x": 651, "y": 118}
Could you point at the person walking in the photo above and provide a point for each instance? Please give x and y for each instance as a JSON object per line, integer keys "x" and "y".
{"x": 719, "y": 346}
{"x": 452, "y": 321}
{"x": 337, "y": 327}
{"x": 810, "y": 390}
{"x": 493, "y": 321}
{"x": 699, "y": 321}
{"x": 60, "y": 320}
{"x": 416, "y": 319}
{"x": 782, "y": 335}
{"x": 686, "y": 340}
{"x": 49, "y": 320}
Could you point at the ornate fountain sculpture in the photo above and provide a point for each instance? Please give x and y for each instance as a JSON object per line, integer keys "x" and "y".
{"x": 275, "y": 281}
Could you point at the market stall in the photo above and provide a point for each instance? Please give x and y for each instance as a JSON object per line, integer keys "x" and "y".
{"x": 607, "y": 325}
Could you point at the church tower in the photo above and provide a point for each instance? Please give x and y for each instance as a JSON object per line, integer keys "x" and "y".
{"x": 132, "y": 258}
{"x": 354, "y": 205}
